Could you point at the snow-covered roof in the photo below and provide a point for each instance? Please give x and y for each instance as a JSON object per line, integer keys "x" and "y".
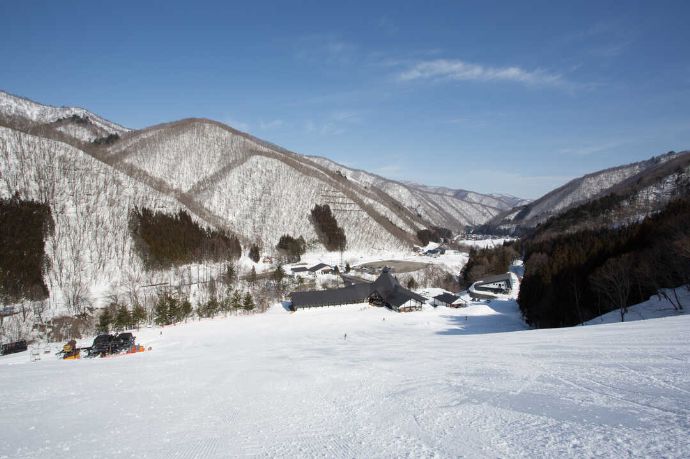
{"x": 496, "y": 278}
{"x": 446, "y": 298}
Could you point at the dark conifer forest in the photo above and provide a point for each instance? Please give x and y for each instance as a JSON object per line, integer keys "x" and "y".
{"x": 433, "y": 234}
{"x": 483, "y": 262}
{"x": 330, "y": 234}
{"x": 291, "y": 248}
{"x": 573, "y": 274}
{"x": 164, "y": 240}
{"x": 24, "y": 226}
{"x": 571, "y": 278}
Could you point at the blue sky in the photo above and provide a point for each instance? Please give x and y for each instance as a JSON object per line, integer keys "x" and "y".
{"x": 510, "y": 97}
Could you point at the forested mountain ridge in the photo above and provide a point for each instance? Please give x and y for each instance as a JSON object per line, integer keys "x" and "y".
{"x": 572, "y": 277}
{"x": 624, "y": 193}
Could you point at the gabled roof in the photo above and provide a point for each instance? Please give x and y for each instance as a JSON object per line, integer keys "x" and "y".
{"x": 318, "y": 267}
{"x": 299, "y": 269}
{"x": 385, "y": 286}
{"x": 497, "y": 278}
{"x": 401, "y": 296}
{"x": 446, "y": 298}
{"x": 392, "y": 292}
{"x": 353, "y": 294}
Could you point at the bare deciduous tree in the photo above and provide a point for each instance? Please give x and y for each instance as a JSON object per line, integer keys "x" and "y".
{"x": 612, "y": 283}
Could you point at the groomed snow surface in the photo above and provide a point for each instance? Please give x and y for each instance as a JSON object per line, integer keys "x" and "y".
{"x": 469, "y": 382}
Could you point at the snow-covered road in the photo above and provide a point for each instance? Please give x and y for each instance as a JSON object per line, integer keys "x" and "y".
{"x": 431, "y": 383}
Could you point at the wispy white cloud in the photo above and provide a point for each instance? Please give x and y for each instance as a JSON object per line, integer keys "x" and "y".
{"x": 388, "y": 26}
{"x": 392, "y": 171}
{"x": 346, "y": 116}
{"x": 611, "y": 49}
{"x": 453, "y": 69}
{"x": 334, "y": 123}
{"x": 586, "y": 150}
{"x": 268, "y": 125}
{"x": 325, "y": 49}
{"x": 327, "y": 128}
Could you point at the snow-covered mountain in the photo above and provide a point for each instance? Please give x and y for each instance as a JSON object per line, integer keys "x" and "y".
{"x": 443, "y": 207}
{"x": 73, "y": 122}
{"x": 90, "y": 248}
{"x": 640, "y": 188}
{"x": 255, "y": 191}
{"x": 93, "y": 173}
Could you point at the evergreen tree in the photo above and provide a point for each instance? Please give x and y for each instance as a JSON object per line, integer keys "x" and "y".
{"x": 104, "y": 321}
{"x": 230, "y": 275}
{"x": 212, "y": 307}
{"x": 254, "y": 253}
{"x": 236, "y": 300}
{"x": 347, "y": 267}
{"x": 161, "y": 311}
{"x": 123, "y": 319}
{"x": 173, "y": 310}
{"x": 212, "y": 289}
{"x": 225, "y": 305}
{"x": 185, "y": 309}
{"x": 252, "y": 276}
{"x": 248, "y": 303}
{"x": 278, "y": 274}
{"x": 138, "y": 315}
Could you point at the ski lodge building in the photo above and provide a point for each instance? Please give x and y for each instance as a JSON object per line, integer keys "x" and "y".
{"x": 384, "y": 291}
{"x": 492, "y": 286}
{"x": 445, "y": 299}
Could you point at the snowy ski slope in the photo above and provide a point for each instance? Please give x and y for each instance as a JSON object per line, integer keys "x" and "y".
{"x": 427, "y": 384}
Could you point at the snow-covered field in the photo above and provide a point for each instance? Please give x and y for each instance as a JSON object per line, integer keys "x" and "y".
{"x": 484, "y": 243}
{"x": 442, "y": 382}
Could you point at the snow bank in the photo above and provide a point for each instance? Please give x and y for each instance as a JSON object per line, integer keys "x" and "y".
{"x": 654, "y": 308}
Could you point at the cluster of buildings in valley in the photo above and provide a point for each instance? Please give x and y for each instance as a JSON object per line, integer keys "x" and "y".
{"x": 386, "y": 291}
{"x": 320, "y": 268}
